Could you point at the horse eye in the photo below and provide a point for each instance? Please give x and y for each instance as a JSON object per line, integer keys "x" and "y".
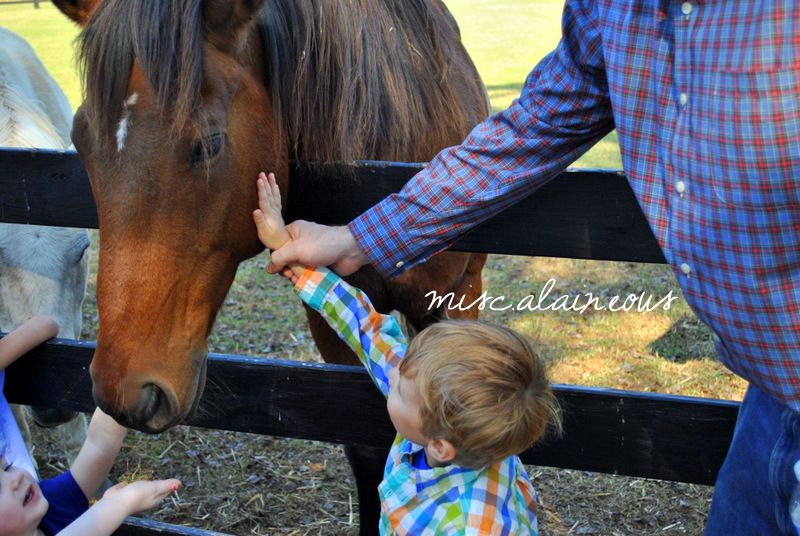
{"x": 207, "y": 148}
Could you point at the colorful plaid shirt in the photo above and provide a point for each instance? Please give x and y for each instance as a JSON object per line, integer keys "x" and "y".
{"x": 498, "y": 499}
{"x": 705, "y": 97}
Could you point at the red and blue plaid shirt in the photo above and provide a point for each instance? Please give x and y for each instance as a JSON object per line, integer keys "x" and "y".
{"x": 705, "y": 97}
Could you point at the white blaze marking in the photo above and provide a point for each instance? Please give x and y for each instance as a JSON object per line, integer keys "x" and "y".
{"x": 122, "y": 129}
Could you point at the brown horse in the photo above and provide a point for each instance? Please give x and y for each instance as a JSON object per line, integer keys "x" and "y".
{"x": 186, "y": 101}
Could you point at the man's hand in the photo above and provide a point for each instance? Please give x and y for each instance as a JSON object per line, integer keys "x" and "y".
{"x": 313, "y": 244}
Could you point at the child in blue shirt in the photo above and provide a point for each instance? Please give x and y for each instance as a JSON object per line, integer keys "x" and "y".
{"x": 60, "y": 505}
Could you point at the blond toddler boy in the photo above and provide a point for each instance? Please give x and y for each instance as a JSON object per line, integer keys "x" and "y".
{"x": 465, "y": 398}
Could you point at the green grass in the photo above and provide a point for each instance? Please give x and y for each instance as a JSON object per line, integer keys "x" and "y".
{"x": 506, "y": 39}
{"x": 504, "y": 56}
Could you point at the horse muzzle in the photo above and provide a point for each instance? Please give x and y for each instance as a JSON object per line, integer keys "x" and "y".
{"x": 152, "y": 409}
{"x": 144, "y": 403}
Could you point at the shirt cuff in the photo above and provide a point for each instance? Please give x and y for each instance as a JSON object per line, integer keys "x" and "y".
{"x": 383, "y": 240}
{"x": 314, "y": 284}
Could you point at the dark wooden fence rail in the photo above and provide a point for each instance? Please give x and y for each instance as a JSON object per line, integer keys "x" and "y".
{"x": 586, "y": 214}
{"x": 581, "y": 214}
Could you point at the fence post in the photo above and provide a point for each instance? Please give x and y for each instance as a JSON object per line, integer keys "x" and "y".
{"x": 36, "y": 4}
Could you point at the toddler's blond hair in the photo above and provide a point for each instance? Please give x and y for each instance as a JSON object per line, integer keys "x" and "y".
{"x": 483, "y": 388}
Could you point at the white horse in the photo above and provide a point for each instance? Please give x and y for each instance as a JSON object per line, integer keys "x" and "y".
{"x": 42, "y": 269}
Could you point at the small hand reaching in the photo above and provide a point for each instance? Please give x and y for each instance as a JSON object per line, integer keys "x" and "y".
{"x": 142, "y": 494}
{"x": 269, "y": 221}
{"x": 271, "y": 229}
{"x": 118, "y": 502}
{"x": 301, "y": 243}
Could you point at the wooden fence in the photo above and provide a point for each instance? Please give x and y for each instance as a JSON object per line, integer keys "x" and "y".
{"x": 585, "y": 214}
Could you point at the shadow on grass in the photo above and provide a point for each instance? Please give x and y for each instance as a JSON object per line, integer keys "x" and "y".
{"x": 687, "y": 339}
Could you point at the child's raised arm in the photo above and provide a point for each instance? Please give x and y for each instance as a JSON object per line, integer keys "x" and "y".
{"x": 376, "y": 339}
{"x": 119, "y": 502}
{"x": 269, "y": 221}
{"x": 97, "y": 455}
{"x": 90, "y": 469}
{"x": 25, "y": 338}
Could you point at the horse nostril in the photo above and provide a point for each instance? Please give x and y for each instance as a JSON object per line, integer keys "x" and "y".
{"x": 150, "y": 401}
{"x": 157, "y": 409}
{"x": 153, "y": 410}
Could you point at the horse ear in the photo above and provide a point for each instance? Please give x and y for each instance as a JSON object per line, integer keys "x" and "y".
{"x": 224, "y": 20}
{"x": 79, "y": 11}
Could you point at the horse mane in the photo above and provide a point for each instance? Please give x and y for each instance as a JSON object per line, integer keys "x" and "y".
{"x": 348, "y": 79}
{"x": 23, "y": 123}
{"x": 33, "y": 110}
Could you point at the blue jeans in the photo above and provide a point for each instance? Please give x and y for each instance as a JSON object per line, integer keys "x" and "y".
{"x": 754, "y": 485}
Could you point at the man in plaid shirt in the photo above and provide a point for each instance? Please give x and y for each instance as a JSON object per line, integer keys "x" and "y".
{"x": 705, "y": 97}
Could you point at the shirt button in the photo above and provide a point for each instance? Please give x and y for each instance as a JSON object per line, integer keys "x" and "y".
{"x": 399, "y": 264}
{"x": 683, "y": 99}
{"x": 686, "y": 8}
{"x": 680, "y": 186}
{"x": 686, "y": 269}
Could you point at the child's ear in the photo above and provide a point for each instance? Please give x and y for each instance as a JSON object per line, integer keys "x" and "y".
{"x": 442, "y": 451}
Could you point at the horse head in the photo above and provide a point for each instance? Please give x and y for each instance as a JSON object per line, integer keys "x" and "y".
{"x": 174, "y": 129}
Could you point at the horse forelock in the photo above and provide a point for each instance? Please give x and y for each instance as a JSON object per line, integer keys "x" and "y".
{"x": 164, "y": 37}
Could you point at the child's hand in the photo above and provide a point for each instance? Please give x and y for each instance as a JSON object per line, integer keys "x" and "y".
{"x": 269, "y": 222}
{"x": 142, "y": 494}
{"x": 118, "y": 502}
{"x": 103, "y": 442}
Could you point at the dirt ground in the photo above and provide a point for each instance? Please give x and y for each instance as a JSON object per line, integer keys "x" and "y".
{"x": 246, "y": 484}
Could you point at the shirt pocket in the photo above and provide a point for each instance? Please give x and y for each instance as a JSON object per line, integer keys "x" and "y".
{"x": 750, "y": 138}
